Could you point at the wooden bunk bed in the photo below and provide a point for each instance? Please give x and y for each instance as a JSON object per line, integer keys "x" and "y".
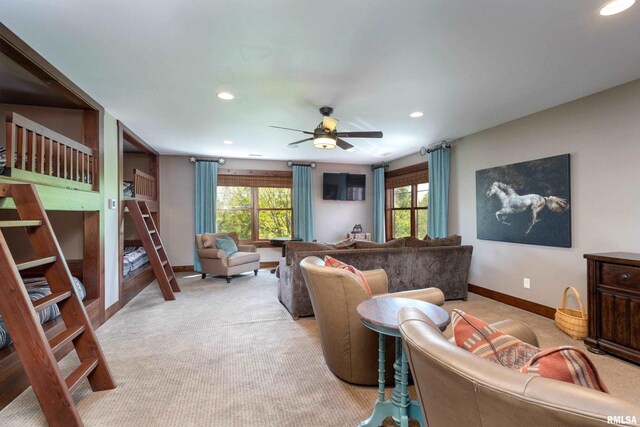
{"x": 65, "y": 172}
{"x": 143, "y": 186}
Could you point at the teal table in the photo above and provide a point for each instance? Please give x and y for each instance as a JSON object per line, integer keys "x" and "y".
{"x": 381, "y": 316}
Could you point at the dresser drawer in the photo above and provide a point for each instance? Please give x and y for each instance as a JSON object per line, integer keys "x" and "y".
{"x": 621, "y": 276}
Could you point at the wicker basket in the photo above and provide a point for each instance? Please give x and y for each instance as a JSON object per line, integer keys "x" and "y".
{"x": 572, "y": 322}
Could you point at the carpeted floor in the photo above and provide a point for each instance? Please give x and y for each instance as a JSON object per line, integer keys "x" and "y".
{"x": 230, "y": 355}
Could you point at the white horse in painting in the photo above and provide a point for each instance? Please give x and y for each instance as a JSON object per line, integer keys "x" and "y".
{"x": 513, "y": 203}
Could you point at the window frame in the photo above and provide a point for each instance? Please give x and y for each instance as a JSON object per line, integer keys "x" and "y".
{"x": 410, "y": 176}
{"x": 256, "y": 180}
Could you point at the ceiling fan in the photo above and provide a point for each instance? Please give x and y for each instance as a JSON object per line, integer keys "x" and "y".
{"x": 325, "y": 135}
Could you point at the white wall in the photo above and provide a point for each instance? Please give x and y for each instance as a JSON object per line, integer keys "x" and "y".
{"x": 332, "y": 219}
{"x": 602, "y": 134}
{"x": 110, "y": 191}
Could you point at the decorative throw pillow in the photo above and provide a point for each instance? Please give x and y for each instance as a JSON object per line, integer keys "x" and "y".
{"x": 482, "y": 339}
{"x": 332, "y": 262}
{"x": 209, "y": 240}
{"x": 426, "y": 237}
{"x": 227, "y": 244}
{"x": 565, "y": 363}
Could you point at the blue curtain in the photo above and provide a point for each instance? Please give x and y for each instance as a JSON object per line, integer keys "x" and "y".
{"x": 378, "y": 205}
{"x": 439, "y": 167}
{"x": 303, "y": 203}
{"x": 205, "y": 207}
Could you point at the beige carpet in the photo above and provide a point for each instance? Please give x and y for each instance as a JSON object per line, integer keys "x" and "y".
{"x": 230, "y": 355}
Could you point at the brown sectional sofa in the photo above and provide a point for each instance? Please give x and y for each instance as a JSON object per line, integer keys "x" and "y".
{"x": 408, "y": 262}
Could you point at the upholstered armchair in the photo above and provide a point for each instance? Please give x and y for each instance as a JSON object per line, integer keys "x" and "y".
{"x": 215, "y": 261}
{"x": 350, "y": 349}
{"x": 457, "y": 388}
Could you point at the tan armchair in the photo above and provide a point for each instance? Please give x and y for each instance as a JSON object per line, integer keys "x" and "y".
{"x": 458, "y": 388}
{"x": 350, "y": 349}
{"x": 216, "y": 262}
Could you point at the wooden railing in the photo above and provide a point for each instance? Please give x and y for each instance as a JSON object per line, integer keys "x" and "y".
{"x": 144, "y": 186}
{"x": 39, "y": 155}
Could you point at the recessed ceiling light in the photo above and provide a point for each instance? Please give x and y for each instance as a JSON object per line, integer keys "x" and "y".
{"x": 416, "y": 114}
{"x": 350, "y": 149}
{"x": 227, "y": 142}
{"x": 226, "y": 96}
{"x": 616, "y": 6}
{"x": 255, "y": 155}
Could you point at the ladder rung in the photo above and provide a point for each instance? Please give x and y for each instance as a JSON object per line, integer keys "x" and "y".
{"x": 51, "y": 299}
{"x": 65, "y": 337}
{"x": 145, "y": 216}
{"x": 152, "y": 231}
{"x": 165, "y": 262}
{"x": 36, "y": 263}
{"x": 25, "y": 223}
{"x": 80, "y": 373}
{"x": 158, "y": 247}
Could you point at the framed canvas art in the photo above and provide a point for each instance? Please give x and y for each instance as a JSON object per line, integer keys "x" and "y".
{"x": 528, "y": 202}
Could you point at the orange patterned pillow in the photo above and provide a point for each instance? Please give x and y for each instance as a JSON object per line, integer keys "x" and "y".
{"x": 332, "y": 262}
{"x": 565, "y": 363}
{"x": 482, "y": 339}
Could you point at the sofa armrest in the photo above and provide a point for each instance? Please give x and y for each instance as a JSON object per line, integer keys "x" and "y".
{"x": 212, "y": 253}
{"x": 246, "y": 248}
{"x": 377, "y": 281}
{"x": 518, "y": 329}
{"x": 432, "y": 295}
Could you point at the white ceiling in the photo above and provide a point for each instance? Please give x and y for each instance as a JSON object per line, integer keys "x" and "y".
{"x": 467, "y": 64}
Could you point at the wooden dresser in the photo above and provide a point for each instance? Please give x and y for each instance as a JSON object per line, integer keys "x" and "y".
{"x": 614, "y": 304}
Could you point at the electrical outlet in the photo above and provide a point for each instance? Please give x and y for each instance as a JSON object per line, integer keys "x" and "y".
{"x": 527, "y": 283}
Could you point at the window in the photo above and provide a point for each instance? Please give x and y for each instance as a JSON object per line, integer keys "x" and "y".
{"x": 255, "y": 207}
{"x": 407, "y": 194}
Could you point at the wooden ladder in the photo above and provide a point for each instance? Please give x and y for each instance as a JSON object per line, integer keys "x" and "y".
{"x": 152, "y": 243}
{"x": 21, "y": 318}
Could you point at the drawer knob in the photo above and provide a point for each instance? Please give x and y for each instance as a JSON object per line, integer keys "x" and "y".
{"x": 625, "y": 277}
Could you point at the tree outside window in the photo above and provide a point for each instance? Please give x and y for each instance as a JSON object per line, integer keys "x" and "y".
{"x": 255, "y": 213}
{"x": 407, "y": 211}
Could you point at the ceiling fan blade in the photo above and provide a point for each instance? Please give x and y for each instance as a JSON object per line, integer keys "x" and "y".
{"x": 297, "y": 130}
{"x": 329, "y": 123}
{"x": 343, "y": 144}
{"x": 359, "y": 134}
{"x": 301, "y": 141}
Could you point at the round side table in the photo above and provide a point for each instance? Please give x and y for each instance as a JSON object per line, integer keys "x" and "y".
{"x": 381, "y": 316}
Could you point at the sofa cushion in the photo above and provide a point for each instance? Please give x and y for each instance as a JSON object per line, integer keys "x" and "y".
{"x": 240, "y": 258}
{"x": 227, "y": 244}
{"x": 396, "y": 243}
{"x": 334, "y": 263}
{"x": 482, "y": 339}
{"x": 343, "y": 244}
{"x": 293, "y": 247}
{"x": 565, "y": 363}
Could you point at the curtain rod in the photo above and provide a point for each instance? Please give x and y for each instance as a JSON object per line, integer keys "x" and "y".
{"x": 379, "y": 165}
{"x": 291, "y": 163}
{"x": 435, "y": 147}
{"x": 220, "y": 160}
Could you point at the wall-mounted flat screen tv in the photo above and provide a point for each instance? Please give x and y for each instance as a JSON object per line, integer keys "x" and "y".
{"x": 343, "y": 186}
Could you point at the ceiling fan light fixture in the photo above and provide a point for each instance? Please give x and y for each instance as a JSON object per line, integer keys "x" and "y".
{"x": 324, "y": 142}
{"x": 614, "y": 7}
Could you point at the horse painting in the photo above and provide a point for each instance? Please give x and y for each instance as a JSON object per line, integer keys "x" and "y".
{"x": 513, "y": 203}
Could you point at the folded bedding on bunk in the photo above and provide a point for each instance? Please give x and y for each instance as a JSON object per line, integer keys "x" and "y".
{"x": 134, "y": 258}
{"x": 127, "y": 189}
{"x": 38, "y": 288}
{"x": 3, "y": 159}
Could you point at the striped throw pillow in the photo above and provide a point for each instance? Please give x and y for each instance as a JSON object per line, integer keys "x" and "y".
{"x": 482, "y": 339}
{"x": 332, "y": 262}
{"x": 565, "y": 363}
